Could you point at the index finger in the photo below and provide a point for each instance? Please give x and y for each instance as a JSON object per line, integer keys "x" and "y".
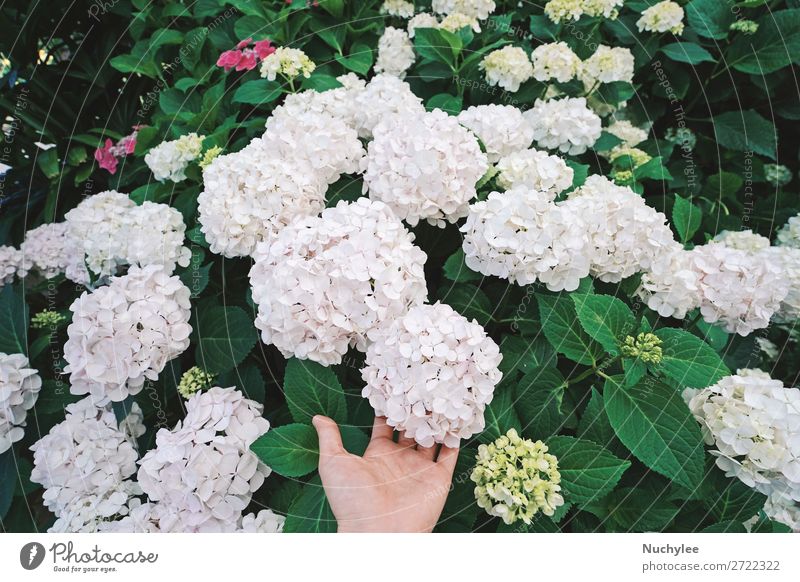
{"x": 381, "y": 430}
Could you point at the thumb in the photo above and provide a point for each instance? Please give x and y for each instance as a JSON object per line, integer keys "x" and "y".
{"x": 330, "y": 440}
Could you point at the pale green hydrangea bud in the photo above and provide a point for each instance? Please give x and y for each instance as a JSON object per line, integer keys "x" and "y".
{"x": 637, "y": 157}
{"x": 47, "y": 319}
{"x": 746, "y": 26}
{"x": 194, "y": 380}
{"x": 645, "y": 346}
{"x": 209, "y": 156}
{"x": 777, "y": 175}
{"x": 682, "y": 136}
{"x": 516, "y": 478}
{"x": 623, "y": 177}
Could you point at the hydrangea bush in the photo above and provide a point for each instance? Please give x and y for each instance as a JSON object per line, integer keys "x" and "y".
{"x": 564, "y": 236}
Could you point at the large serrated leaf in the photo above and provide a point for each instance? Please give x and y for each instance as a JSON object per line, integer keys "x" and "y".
{"x": 588, "y": 470}
{"x": 606, "y": 319}
{"x": 225, "y": 337}
{"x": 291, "y": 450}
{"x": 564, "y": 332}
{"x": 312, "y": 389}
{"x": 689, "y": 360}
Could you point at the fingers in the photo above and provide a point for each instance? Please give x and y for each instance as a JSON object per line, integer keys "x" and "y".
{"x": 381, "y": 430}
{"x": 330, "y": 440}
{"x": 405, "y": 442}
{"x": 448, "y": 458}
{"x": 428, "y": 452}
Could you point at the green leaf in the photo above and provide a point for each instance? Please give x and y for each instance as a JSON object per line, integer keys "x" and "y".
{"x": 500, "y": 416}
{"x": 469, "y": 301}
{"x": 653, "y": 422}
{"x": 13, "y": 321}
{"x": 525, "y": 355}
{"x": 248, "y": 379}
{"x": 730, "y": 499}
{"x": 594, "y": 424}
{"x": 564, "y": 332}
{"x": 310, "y": 512}
{"x": 607, "y": 319}
{"x": 606, "y": 142}
{"x": 133, "y": 64}
{"x": 687, "y": 52}
{"x": 652, "y": 170}
{"x": 225, "y": 337}
{"x": 689, "y": 360}
{"x": 538, "y": 397}
{"x": 359, "y": 59}
{"x": 8, "y": 481}
{"x": 588, "y": 471}
{"x": 437, "y": 45}
{"x": 258, "y": 92}
{"x": 456, "y": 269}
{"x": 686, "y": 217}
{"x": 743, "y": 131}
{"x": 636, "y": 510}
{"x": 321, "y": 83}
{"x": 291, "y": 450}
{"x": 725, "y": 527}
{"x": 710, "y": 18}
{"x": 48, "y": 162}
{"x": 448, "y": 103}
{"x": 313, "y": 389}
{"x": 776, "y": 44}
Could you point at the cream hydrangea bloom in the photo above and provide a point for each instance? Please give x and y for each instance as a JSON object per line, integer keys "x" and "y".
{"x": 338, "y": 102}
{"x": 124, "y": 334}
{"x": 501, "y": 128}
{"x": 555, "y": 61}
{"x": 399, "y": 8}
{"x": 516, "y": 478}
{"x": 425, "y": 167}
{"x": 507, "y": 67}
{"x": 743, "y": 240}
{"x": 422, "y": 20}
{"x": 567, "y": 125}
{"x": 607, "y": 65}
{"x": 787, "y": 260}
{"x": 10, "y": 262}
{"x": 324, "y": 283}
{"x": 395, "y": 52}
{"x": 535, "y": 170}
{"x": 431, "y": 373}
{"x": 520, "y": 235}
{"x": 670, "y": 286}
{"x": 666, "y": 16}
{"x": 630, "y": 134}
{"x": 789, "y": 234}
{"x": 384, "y": 95}
{"x": 480, "y": 9}
{"x": 169, "y": 159}
{"x": 251, "y": 195}
{"x": 288, "y": 62}
{"x": 19, "y": 390}
{"x": 752, "y": 420}
{"x": 456, "y": 21}
{"x": 265, "y": 521}
{"x": 50, "y": 250}
{"x": 561, "y": 10}
{"x": 777, "y": 174}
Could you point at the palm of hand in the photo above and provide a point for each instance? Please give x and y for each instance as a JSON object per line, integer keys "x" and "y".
{"x": 394, "y": 487}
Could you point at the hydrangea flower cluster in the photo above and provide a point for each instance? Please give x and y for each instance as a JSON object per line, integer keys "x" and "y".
{"x": 561, "y": 10}
{"x": 607, "y": 65}
{"x": 666, "y": 16}
{"x": 752, "y": 420}
{"x": 19, "y": 390}
{"x": 630, "y": 135}
{"x": 778, "y": 175}
{"x": 456, "y": 21}
{"x": 194, "y": 380}
{"x": 125, "y": 333}
{"x": 10, "y": 262}
{"x": 566, "y": 125}
{"x": 508, "y": 67}
{"x": 244, "y": 57}
{"x": 517, "y": 478}
{"x": 287, "y": 62}
{"x": 50, "y": 250}
{"x": 325, "y": 283}
{"x": 480, "y": 9}
{"x": 109, "y": 154}
{"x": 425, "y": 167}
{"x": 535, "y": 170}
{"x": 169, "y": 159}
{"x": 421, "y": 20}
{"x": 502, "y": 129}
{"x": 431, "y": 373}
{"x": 201, "y": 475}
{"x": 399, "y": 8}
{"x": 384, "y": 95}
{"x": 555, "y": 61}
{"x": 789, "y": 234}
{"x": 395, "y": 52}
{"x": 85, "y": 464}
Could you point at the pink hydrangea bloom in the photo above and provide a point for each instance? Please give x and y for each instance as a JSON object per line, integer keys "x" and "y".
{"x": 264, "y": 48}
{"x": 105, "y": 158}
{"x": 229, "y": 59}
{"x": 248, "y": 61}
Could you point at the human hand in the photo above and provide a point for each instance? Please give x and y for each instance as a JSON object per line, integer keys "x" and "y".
{"x": 394, "y": 487}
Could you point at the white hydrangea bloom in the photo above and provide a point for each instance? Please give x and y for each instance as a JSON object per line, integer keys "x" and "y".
{"x": 337, "y": 102}
{"x": 50, "y": 250}
{"x": 399, "y": 8}
{"x": 520, "y": 235}
{"x": 324, "y": 283}
{"x": 535, "y": 170}
{"x": 555, "y": 61}
{"x": 567, "y": 125}
{"x": 424, "y": 167}
{"x": 287, "y": 62}
{"x": 169, "y": 159}
{"x": 777, "y": 174}
{"x": 328, "y": 145}
{"x": 202, "y": 474}
{"x": 740, "y": 290}
{"x": 784, "y": 511}
{"x": 502, "y": 128}
{"x": 456, "y": 21}
{"x": 743, "y": 240}
{"x": 789, "y": 234}
{"x": 480, "y": 9}
{"x": 85, "y": 464}
{"x": 19, "y": 390}
{"x": 265, "y": 521}
{"x": 670, "y": 286}
{"x": 156, "y": 237}
{"x": 788, "y": 261}
{"x": 250, "y": 195}
{"x": 431, "y": 373}
{"x": 607, "y": 65}
{"x": 625, "y": 235}
{"x": 508, "y": 67}
{"x": 630, "y": 135}
{"x": 753, "y": 422}
{"x": 422, "y": 20}
{"x": 561, "y": 10}
{"x": 10, "y": 262}
{"x": 383, "y": 96}
{"x": 132, "y": 426}
{"x": 124, "y": 334}
{"x": 666, "y": 16}
{"x": 395, "y": 52}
